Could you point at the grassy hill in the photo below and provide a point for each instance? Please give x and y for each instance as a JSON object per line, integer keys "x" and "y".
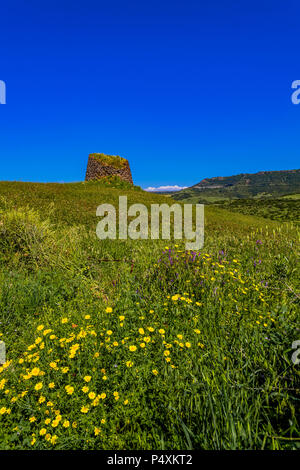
{"x": 281, "y": 209}
{"x": 123, "y": 344}
{"x": 74, "y": 203}
{"x": 265, "y": 184}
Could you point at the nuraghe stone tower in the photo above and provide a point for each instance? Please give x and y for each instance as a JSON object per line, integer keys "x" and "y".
{"x": 101, "y": 165}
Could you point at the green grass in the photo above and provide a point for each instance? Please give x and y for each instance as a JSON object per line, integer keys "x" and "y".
{"x": 183, "y": 350}
{"x": 292, "y": 196}
{"x": 282, "y": 209}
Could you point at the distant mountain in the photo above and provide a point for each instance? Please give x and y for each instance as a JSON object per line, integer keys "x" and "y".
{"x": 265, "y": 184}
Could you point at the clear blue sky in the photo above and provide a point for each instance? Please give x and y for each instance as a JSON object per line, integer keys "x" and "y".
{"x": 183, "y": 89}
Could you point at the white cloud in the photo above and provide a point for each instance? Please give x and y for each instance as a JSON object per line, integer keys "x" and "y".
{"x": 166, "y": 188}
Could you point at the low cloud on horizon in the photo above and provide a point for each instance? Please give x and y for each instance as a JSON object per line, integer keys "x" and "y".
{"x": 166, "y": 188}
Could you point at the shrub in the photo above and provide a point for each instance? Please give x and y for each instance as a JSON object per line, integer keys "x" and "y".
{"x": 24, "y": 235}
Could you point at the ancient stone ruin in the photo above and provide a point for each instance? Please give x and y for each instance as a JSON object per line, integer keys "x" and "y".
{"x": 101, "y": 166}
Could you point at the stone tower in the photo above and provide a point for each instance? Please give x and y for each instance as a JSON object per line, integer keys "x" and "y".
{"x": 101, "y": 165}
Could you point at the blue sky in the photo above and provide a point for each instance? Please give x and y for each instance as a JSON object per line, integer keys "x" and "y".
{"x": 183, "y": 89}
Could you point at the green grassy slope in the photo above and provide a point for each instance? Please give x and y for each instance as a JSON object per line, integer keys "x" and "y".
{"x": 140, "y": 344}
{"x": 282, "y": 209}
{"x": 74, "y": 203}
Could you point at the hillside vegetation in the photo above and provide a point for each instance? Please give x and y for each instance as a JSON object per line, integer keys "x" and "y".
{"x": 139, "y": 344}
{"x": 265, "y": 184}
{"x": 281, "y": 209}
{"x": 109, "y": 160}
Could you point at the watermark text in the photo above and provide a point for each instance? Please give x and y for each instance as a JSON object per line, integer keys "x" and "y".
{"x": 295, "y": 97}
{"x": 2, "y": 92}
{"x": 185, "y": 225}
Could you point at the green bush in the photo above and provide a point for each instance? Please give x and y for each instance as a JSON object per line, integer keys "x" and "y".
{"x": 26, "y": 239}
{"x": 25, "y": 236}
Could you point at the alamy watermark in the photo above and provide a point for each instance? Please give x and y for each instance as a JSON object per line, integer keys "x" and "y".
{"x": 2, "y": 92}
{"x": 295, "y": 97}
{"x": 2, "y": 353}
{"x": 160, "y": 225}
{"x": 296, "y": 354}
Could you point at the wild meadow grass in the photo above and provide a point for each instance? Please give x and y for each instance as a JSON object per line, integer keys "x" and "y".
{"x": 281, "y": 209}
{"x": 141, "y": 344}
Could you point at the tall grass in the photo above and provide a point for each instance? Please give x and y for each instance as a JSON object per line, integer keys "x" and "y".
{"x": 178, "y": 350}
